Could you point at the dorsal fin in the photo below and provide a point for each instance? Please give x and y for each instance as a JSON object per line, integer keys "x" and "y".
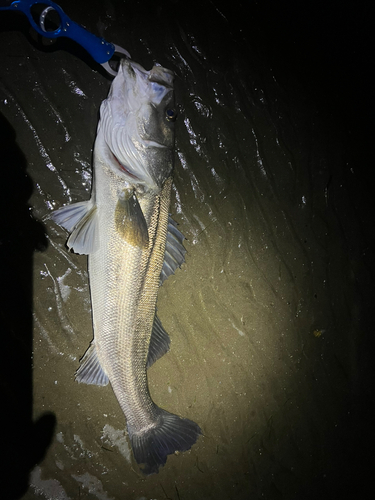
{"x": 159, "y": 342}
{"x": 175, "y": 252}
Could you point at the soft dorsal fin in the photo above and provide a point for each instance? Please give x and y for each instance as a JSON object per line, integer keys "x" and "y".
{"x": 159, "y": 342}
{"x": 175, "y": 252}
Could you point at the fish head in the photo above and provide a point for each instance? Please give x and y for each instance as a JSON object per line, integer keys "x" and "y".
{"x": 136, "y": 129}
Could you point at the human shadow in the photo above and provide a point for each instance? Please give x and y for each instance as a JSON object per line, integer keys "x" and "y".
{"x": 24, "y": 442}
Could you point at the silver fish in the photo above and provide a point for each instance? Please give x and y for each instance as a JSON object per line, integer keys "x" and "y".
{"x": 132, "y": 246}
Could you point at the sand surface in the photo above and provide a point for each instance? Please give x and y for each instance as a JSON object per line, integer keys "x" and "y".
{"x": 270, "y": 316}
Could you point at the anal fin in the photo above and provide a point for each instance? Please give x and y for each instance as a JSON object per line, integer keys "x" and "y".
{"x": 90, "y": 370}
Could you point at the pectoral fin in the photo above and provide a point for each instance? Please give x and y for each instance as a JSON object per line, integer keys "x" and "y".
{"x": 129, "y": 220}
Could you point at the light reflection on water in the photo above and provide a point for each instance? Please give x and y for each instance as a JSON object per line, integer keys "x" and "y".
{"x": 259, "y": 194}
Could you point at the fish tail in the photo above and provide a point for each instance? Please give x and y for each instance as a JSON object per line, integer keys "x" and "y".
{"x": 171, "y": 433}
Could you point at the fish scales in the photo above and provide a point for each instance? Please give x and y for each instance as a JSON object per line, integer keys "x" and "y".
{"x": 123, "y": 229}
{"x": 128, "y": 316}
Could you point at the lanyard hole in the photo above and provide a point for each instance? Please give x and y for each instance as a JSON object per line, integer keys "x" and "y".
{"x": 46, "y": 17}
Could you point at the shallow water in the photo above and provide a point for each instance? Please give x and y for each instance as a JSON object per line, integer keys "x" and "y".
{"x": 270, "y": 314}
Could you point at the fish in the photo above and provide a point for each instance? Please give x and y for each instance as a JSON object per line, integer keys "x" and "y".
{"x": 133, "y": 245}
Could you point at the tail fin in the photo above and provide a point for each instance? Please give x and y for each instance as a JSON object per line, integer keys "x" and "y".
{"x": 171, "y": 433}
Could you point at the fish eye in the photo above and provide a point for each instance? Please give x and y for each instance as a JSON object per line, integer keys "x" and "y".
{"x": 170, "y": 114}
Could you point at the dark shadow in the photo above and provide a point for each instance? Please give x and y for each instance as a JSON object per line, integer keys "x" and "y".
{"x": 24, "y": 441}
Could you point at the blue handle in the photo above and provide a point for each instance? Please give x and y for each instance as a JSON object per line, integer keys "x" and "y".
{"x": 100, "y": 50}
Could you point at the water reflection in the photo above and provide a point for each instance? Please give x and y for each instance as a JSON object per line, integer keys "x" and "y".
{"x": 269, "y": 317}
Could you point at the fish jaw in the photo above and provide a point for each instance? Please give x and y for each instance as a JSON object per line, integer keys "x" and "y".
{"x": 136, "y": 129}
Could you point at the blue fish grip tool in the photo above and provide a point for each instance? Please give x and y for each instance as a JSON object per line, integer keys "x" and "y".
{"x": 98, "y": 48}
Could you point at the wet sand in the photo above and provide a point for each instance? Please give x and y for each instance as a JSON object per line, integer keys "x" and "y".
{"x": 270, "y": 316}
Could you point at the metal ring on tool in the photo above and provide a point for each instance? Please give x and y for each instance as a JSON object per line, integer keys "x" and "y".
{"x": 43, "y": 15}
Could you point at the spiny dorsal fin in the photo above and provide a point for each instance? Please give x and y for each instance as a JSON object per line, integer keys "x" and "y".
{"x": 175, "y": 252}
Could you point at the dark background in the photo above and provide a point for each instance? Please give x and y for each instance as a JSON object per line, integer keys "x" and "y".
{"x": 323, "y": 50}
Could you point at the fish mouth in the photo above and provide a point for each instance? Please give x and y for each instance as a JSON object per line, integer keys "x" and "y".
{"x": 162, "y": 76}
{"x": 157, "y": 74}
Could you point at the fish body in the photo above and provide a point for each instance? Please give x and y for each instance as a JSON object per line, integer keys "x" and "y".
{"x": 132, "y": 246}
